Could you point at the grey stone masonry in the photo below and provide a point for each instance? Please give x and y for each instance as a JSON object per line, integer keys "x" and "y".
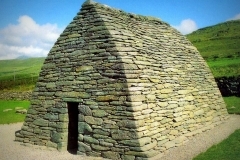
{"x": 139, "y": 88}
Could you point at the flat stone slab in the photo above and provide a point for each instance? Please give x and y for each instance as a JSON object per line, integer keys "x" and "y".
{"x": 6, "y": 110}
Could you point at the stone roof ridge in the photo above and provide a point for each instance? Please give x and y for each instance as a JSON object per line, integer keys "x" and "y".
{"x": 88, "y": 2}
{"x": 132, "y": 15}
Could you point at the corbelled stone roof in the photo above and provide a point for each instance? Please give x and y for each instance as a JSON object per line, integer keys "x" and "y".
{"x": 140, "y": 88}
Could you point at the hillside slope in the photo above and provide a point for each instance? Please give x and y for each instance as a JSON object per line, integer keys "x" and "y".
{"x": 218, "y": 41}
{"x": 19, "y": 72}
{"x": 20, "y": 68}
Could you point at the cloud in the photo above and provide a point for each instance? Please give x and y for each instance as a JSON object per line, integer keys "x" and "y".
{"x": 27, "y": 38}
{"x": 236, "y": 17}
{"x": 186, "y": 26}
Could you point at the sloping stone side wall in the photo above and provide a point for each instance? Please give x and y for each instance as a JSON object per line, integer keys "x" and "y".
{"x": 142, "y": 88}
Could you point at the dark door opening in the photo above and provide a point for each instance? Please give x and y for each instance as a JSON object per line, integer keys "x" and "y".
{"x": 73, "y": 112}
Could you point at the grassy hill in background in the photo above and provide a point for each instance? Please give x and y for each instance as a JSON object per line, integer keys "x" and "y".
{"x": 218, "y": 41}
{"x": 220, "y": 47}
{"x": 19, "y": 72}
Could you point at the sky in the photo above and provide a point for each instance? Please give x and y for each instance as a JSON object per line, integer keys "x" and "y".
{"x": 31, "y": 27}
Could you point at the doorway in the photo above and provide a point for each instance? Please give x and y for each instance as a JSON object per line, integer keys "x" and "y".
{"x": 73, "y": 112}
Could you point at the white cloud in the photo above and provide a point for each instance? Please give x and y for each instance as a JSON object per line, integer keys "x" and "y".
{"x": 236, "y": 17}
{"x": 186, "y": 26}
{"x": 27, "y": 38}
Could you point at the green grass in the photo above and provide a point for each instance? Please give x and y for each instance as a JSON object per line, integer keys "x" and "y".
{"x": 225, "y": 67}
{"x": 21, "y": 68}
{"x": 11, "y": 116}
{"x": 19, "y": 74}
{"x": 228, "y": 149}
{"x": 233, "y": 104}
{"x": 219, "y": 45}
{"x": 218, "y": 41}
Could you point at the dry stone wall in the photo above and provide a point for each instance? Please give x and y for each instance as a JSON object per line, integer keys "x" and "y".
{"x": 140, "y": 88}
{"x": 9, "y": 95}
{"x": 229, "y": 86}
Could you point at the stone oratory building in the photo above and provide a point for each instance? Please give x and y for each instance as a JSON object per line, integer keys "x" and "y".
{"x": 121, "y": 86}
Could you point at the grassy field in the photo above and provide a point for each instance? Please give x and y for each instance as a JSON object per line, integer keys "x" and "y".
{"x": 218, "y": 41}
{"x": 19, "y": 74}
{"x": 233, "y": 104}
{"x": 21, "y": 68}
{"x": 10, "y": 116}
{"x": 224, "y": 67}
{"x": 219, "y": 45}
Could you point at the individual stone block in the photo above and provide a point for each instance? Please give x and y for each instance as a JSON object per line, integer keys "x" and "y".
{"x": 101, "y": 131}
{"x": 128, "y": 157}
{"x": 99, "y": 113}
{"x": 93, "y": 120}
{"x": 83, "y": 127}
{"x": 51, "y": 117}
{"x": 58, "y": 137}
{"x": 106, "y": 98}
{"x": 145, "y": 147}
{"x": 170, "y": 144}
{"x": 85, "y": 110}
{"x": 111, "y": 155}
{"x": 136, "y": 98}
{"x": 63, "y": 117}
{"x": 164, "y": 91}
{"x": 137, "y": 142}
{"x": 99, "y": 148}
{"x": 199, "y": 112}
{"x": 41, "y": 122}
{"x": 107, "y": 144}
{"x": 90, "y": 140}
{"x": 82, "y": 147}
